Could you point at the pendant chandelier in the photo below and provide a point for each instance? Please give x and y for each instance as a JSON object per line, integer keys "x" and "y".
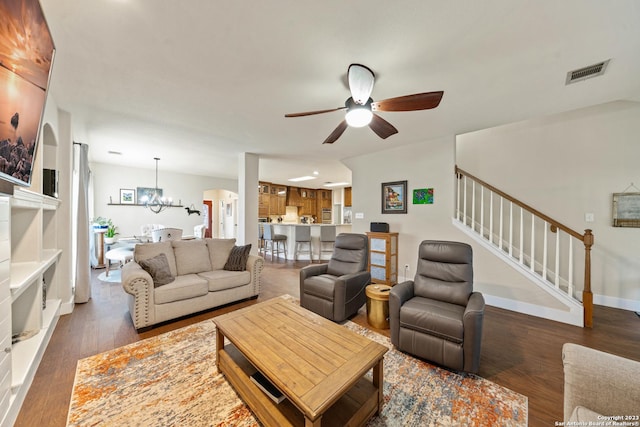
{"x": 155, "y": 202}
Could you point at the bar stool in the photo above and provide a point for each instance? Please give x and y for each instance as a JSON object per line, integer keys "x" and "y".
{"x": 327, "y": 237}
{"x": 303, "y": 235}
{"x": 270, "y": 238}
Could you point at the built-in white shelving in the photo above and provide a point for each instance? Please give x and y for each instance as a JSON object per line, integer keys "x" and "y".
{"x": 30, "y": 247}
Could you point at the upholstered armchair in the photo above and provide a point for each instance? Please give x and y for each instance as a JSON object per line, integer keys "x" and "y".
{"x": 336, "y": 290}
{"x": 437, "y": 316}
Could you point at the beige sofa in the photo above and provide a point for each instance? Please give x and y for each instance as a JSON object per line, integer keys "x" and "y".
{"x": 201, "y": 281}
{"x": 599, "y": 387}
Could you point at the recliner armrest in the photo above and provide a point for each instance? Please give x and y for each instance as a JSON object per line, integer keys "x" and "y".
{"x": 312, "y": 270}
{"x": 472, "y": 321}
{"x": 399, "y": 294}
{"x": 359, "y": 277}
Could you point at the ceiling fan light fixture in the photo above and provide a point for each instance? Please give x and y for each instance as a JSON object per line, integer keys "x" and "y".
{"x": 358, "y": 117}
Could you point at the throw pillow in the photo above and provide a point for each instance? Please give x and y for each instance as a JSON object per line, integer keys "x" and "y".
{"x": 158, "y": 268}
{"x": 237, "y": 260}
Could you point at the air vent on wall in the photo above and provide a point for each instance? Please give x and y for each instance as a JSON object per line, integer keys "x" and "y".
{"x": 587, "y": 72}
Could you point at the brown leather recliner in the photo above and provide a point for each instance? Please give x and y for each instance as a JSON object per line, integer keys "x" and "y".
{"x": 437, "y": 316}
{"x": 336, "y": 290}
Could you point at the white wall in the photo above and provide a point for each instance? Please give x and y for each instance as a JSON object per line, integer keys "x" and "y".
{"x": 424, "y": 165}
{"x": 568, "y": 165}
{"x": 109, "y": 179}
{"x": 431, "y": 165}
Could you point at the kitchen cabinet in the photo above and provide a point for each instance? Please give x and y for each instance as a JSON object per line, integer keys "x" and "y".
{"x": 383, "y": 257}
{"x": 309, "y": 202}
{"x": 347, "y": 196}
{"x": 264, "y": 199}
{"x": 278, "y": 199}
{"x": 325, "y": 199}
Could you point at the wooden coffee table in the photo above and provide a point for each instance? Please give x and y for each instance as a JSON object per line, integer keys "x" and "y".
{"x": 318, "y": 365}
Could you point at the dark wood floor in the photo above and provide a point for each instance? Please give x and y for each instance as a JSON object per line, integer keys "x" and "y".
{"x": 520, "y": 352}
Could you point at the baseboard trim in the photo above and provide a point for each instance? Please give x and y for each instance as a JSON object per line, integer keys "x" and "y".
{"x": 615, "y": 302}
{"x": 571, "y": 317}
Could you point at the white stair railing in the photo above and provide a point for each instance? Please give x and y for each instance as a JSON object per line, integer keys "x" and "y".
{"x": 523, "y": 236}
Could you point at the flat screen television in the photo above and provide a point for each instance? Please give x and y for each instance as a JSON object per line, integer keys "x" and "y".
{"x": 26, "y": 57}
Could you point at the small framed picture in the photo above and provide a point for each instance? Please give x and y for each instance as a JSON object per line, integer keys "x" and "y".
{"x": 394, "y": 197}
{"x": 423, "y": 196}
{"x": 127, "y": 196}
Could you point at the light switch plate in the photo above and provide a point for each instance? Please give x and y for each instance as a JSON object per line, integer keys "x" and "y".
{"x": 589, "y": 217}
{"x": 359, "y": 215}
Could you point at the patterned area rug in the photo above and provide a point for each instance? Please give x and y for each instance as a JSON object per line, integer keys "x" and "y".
{"x": 172, "y": 379}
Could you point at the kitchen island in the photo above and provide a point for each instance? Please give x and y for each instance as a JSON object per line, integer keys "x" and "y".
{"x": 289, "y": 230}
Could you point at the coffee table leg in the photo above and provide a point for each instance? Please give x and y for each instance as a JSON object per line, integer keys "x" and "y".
{"x": 378, "y": 382}
{"x": 316, "y": 423}
{"x": 219, "y": 346}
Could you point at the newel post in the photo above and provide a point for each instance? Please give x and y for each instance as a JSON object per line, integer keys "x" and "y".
{"x": 587, "y": 295}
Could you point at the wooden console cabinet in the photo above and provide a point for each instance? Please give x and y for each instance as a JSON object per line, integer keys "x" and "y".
{"x": 383, "y": 257}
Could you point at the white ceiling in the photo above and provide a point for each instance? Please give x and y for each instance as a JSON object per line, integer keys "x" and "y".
{"x": 195, "y": 82}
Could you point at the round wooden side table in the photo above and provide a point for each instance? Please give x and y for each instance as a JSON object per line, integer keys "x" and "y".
{"x": 378, "y": 305}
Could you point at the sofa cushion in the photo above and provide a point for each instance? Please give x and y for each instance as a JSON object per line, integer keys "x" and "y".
{"x": 192, "y": 256}
{"x": 238, "y": 257}
{"x": 183, "y": 288}
{"x": 220, "y": 280}
{"x": 433, "y": 317}
{"x": 219, "y": 250}
{"x": 149, "y": 250}
{"x": 158, "y": 268}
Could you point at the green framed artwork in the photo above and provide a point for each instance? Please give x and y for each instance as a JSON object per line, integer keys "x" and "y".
{"x": 423, "y": 196}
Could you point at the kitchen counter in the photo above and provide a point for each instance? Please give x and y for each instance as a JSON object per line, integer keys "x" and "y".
{"x": 289, "y": 230}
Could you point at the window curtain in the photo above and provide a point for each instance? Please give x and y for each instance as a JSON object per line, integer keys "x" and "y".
{"x": 84, "y": 235}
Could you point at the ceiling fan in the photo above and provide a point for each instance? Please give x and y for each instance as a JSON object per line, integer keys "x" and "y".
{"x": 360, "y": 107}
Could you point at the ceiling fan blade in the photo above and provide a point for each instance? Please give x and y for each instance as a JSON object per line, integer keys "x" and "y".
{"x": 309, "y": 113}
{"x": 361, "y": 81}
{"x": 337, "y": 132}
{"x": 381, "y": 127}
{"x": 418, "y": 101}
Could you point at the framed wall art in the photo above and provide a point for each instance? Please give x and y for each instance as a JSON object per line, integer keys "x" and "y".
{"x": 394, "y": 197}
{"x": 144, "y": 194}
{"x": 423, "y": 196}
{"x": 127, "y": 197}
{"x": 626, "y": 210}
{"x": 26, "y": 57}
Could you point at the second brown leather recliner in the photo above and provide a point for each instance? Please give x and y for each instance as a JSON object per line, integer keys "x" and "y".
{"x": 437, "y": 316}
{"x": 336, "y": 290}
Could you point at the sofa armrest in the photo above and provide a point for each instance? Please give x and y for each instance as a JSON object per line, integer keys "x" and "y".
{"x": 399, "y": 294}
{"x": 255, "y": 265}
{"x": 139, "y": 284}
{"x": 599, "y": 381}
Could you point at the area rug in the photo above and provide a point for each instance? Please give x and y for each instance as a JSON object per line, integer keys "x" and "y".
{"x": 172, "y": 380}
